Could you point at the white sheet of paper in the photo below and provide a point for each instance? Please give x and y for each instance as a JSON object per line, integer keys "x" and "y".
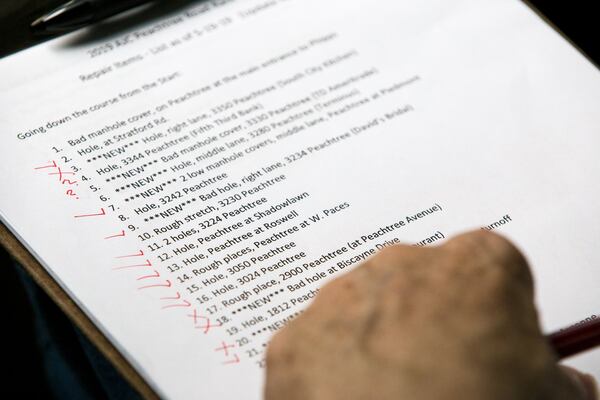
{"x": 191, "y": 182}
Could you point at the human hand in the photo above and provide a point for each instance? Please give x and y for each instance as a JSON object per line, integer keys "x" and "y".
{"x": 456, "y": 321}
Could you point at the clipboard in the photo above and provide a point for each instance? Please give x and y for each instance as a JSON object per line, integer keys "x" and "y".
{"x": 42, "y": 278}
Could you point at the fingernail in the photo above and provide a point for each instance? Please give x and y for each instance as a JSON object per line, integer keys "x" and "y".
{"x": 590, "y": 386}
{"x": 586, "y": 383}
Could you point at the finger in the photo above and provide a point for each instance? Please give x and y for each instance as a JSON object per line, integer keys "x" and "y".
{"x": 490, "y": 249}
{"x": 492, "y": 267}
{"x": 586, "y": 384}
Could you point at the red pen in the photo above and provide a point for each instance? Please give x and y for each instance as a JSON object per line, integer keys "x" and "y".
{"x": 574, "y": 340}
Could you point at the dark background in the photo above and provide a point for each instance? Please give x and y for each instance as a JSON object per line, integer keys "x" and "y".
{"x": 24, "y": 372}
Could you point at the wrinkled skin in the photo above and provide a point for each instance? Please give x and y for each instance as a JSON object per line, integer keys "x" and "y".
{"x": 452, "y": 322}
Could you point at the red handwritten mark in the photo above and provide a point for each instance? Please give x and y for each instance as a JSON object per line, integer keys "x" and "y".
{"x": 61, "y": 178}
{"x": 156, "y": 274}
{"x": 177, "y": 297}
{"x": 60, "y": 174}
{"x": 194, "y": 316}
{"x": 207, "y": 325}
{"x": 138, "y": 254}
{"x": 117, "y": 235}
{"x": 235, "y": 360}
{"x": 70, "y": 192}
{"x": 146, "y": 264}
{"x": 184, "y": 304}
{"x": 225, "y": 348}
{"x": 166, "y": 284}
{"x": 102, "y": 212}
{"x": 53, "y": 165}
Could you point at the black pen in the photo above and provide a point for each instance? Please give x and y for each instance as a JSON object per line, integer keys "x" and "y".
{"x": 79, "y": 13}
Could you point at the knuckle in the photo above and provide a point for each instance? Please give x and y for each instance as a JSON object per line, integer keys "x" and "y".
{"x": 493, "y": 267}
{"x": 489, "y": 249}
{"x": 508, "y": 257}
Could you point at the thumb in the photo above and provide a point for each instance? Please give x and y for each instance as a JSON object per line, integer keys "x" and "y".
{"x": 585, "y": 383}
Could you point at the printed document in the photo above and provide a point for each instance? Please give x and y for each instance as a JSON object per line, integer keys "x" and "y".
{"x": 193, "y": 181}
